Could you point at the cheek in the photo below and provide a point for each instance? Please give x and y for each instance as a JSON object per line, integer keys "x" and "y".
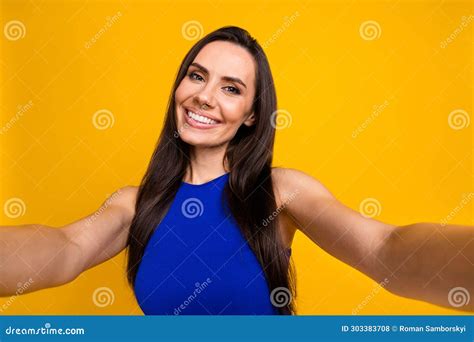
{"x": 180, "y": 92}
{"x": 185, "y": 90}
{"x": 234, "y": 111}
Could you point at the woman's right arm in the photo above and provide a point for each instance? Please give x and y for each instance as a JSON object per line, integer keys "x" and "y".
{"x": 34, "y": 257}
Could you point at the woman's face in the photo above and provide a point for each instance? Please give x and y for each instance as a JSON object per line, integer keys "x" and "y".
{"x": 217, "y": 92}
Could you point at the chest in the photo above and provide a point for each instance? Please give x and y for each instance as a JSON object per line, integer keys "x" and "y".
{"x": 199, "y": 263}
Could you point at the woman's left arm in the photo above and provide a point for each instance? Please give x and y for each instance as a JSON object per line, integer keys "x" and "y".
{"x": 424, "y": 261}
{"x": 431, "y": 262}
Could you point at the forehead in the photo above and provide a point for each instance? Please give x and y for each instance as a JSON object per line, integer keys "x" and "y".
{"x": 227, "y": 59}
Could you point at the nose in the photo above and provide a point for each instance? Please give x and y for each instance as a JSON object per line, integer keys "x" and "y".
{"x": 204, "y": 97}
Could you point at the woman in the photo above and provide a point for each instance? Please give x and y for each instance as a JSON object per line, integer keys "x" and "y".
{"x": 210, "y": 227}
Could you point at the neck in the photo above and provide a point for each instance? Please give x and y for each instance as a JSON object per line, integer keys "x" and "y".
{"x": 206, "y": 164}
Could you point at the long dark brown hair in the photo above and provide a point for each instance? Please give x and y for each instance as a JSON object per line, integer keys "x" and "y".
{"x": 249, "y": 190}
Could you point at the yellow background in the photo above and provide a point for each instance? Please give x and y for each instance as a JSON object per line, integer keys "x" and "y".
{"x": 327, "y": 76}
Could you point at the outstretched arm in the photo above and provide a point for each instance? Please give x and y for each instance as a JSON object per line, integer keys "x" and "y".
{"x": 422, "y": 261}
{"x": 34, "y": 257}
{"x": 431, "y": 262}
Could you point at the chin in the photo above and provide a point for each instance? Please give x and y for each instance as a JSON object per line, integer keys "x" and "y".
{"x": 193, "y": 140}
{"x": 199, "y": 141}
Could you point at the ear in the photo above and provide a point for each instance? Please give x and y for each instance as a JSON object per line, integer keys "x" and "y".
{"x": 250, "y": 120}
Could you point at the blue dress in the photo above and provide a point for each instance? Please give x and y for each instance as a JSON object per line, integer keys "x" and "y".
{"x": 197, "y": 261}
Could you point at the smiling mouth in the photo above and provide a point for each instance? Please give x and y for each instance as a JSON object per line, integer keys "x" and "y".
{"x": 200, "y": 119}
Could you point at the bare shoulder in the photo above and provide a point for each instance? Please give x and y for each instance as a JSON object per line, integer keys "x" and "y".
{"x": 125, "y": 198}
{"x": 128, "y": 194}
{"x": 290, "y": 182}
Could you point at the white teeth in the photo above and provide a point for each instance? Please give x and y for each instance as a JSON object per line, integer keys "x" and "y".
{"x": 201, "y": 119}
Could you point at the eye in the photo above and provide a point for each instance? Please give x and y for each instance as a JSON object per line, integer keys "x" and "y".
{"x": 194, "y": 76}
{"x": 233, "y": 90}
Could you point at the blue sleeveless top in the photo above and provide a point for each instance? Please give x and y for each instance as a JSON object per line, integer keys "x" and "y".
{"x": 197, "y": 261}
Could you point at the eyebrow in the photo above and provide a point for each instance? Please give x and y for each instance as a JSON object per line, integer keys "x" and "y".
{"x": 227, "y": 78}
